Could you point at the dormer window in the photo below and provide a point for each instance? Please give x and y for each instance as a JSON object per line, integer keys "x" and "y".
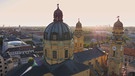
{"x": 54, "y": 36}
{"x": 66, "y": 35}
{"x": 66, "y": 53}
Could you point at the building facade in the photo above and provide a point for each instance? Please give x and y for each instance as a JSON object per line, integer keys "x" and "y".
{"x": 5, "y": 65}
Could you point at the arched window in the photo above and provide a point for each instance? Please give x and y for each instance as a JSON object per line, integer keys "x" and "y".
{"x": 45, "y": 52}
{"x": 66, "y": 53}
{"x": 80, "y": 45}
{"x": 54, "y": 54}
{"x": 113, "y": 53}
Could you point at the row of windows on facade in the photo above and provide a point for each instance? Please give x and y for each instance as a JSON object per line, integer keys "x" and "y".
{"x": 54, "y": 36}
{"x": 1, "y": 67}
{"x": 54, "y": 54}
{"x": 81, "y": 45}
{"x": 4, "y": 63}
{"x": 129, "y": 59}
{"x": 19, "y": 52}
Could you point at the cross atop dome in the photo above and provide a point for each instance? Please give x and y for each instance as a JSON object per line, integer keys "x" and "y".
{"x": 58, "y": 6}
{"x": 118, "y": 17}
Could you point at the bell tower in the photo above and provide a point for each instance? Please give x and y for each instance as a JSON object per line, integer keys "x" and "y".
{"x": 115, "y": 57}
{"x": 78, "y": 37}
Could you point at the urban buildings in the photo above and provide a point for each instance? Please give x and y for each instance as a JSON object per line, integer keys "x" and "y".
{"x": 63, "y": 52}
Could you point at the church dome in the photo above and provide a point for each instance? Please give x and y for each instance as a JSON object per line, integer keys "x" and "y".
{"x": 78, "y": 24}
{"x": 57, "y": 30}
{"x": 118, "y": 24}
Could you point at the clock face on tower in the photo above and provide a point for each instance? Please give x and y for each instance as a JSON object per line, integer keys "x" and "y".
{"x": 114, "y": 48}
{"x": 78, "y": 34}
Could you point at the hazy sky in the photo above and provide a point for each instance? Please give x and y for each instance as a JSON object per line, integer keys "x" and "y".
{"x": 90, "y": 12}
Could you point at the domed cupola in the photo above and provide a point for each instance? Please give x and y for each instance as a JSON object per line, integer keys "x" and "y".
{"x": 118, "y": 24}
{"x": 58, "y": 42}
{"x": 57, "y": 30}
{"x": 58, "y": 15}
{"x": 78, "y": 24}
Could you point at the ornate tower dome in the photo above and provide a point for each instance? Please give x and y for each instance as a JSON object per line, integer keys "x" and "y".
{"x": 118, "y": 24}
{"x": 78, "y": 24}
{"x": 118, "y": 28}
{"x": 58, "y": 45}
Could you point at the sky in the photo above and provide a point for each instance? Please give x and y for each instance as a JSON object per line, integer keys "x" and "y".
{"x": 90, "y": 12}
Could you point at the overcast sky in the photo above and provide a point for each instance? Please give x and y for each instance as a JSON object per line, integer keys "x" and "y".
{"x": 90, "y": 12}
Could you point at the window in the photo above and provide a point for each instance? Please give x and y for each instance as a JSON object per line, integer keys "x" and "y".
{"x": 54, "y": 54}
{"x": 75, "y": 44}
{"x": 113, "y": 53}
{"x": 66, "y": 35}
{"x": 125, "y": 59}
{"x": 45, "y": 52}
{"x": 80, "y": 45}
{"x": 54, "y": 36}
{"x": 66, "y": 53}
{"x": 125, "y": 64}
{"x": 129, "y": 60}
{"x": 46, "y": 35}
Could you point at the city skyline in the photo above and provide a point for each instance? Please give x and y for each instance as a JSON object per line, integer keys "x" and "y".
{"x": 90, "y": 12}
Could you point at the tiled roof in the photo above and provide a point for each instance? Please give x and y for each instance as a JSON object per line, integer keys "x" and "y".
{"x": 67, "y": 68}
{"x": 22, "y": 48}
{"x": 87, "y": 55}
{"x": 129, "y": 51}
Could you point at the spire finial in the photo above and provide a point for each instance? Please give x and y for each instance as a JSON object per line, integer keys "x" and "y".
{"x": 78, "y": 19}
{"x": 118, "y": 17}
{"x": 57, "y": 5}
